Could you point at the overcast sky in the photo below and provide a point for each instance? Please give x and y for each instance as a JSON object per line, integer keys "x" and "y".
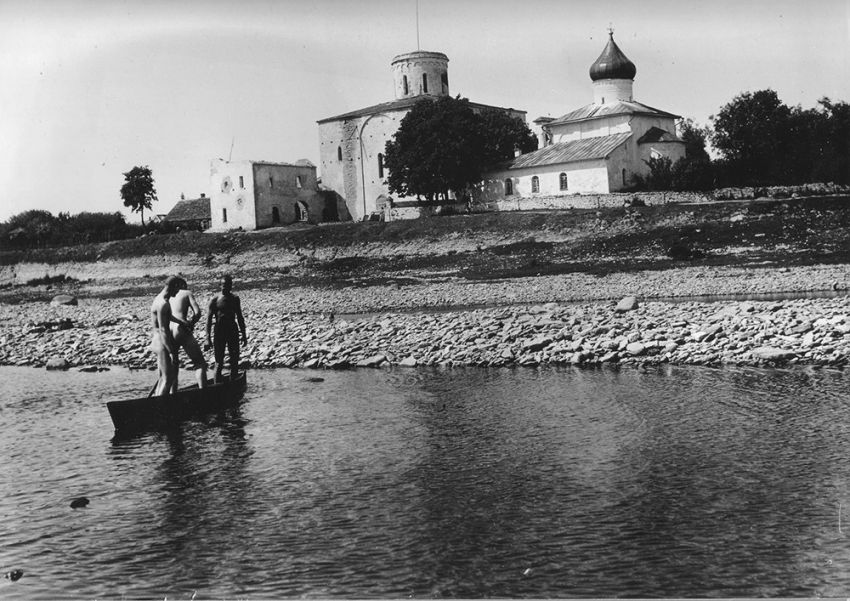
{"x": 89, "y": 89}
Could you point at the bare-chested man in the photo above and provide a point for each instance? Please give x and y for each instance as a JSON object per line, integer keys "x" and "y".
{"x": 181, "y": 330}
{"x": 163, "y": 342}
{"x": 226, "y": 310}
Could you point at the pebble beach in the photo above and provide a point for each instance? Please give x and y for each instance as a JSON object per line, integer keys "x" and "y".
{"x": 640, "y": 318}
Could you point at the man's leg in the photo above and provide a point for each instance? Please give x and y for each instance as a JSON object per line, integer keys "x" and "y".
{"x": 166, "y": 375}
{"x": 218, "y": 350}
{"x": 233, "y": 354}
{"x": 196, "y": 356}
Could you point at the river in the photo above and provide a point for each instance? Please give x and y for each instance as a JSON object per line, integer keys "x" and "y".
{"x": 548, "y": 482}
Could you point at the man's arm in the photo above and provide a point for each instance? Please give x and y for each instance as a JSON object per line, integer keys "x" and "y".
{"x": 241, "y": 321}
{"x": 210, "y": 320}
{"x": 196, "y": 310}
{"x": 163, "y": 318}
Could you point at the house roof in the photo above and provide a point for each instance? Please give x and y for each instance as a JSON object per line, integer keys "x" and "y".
{"x": 189, "y": 210}
{"x": 656, "y": 134}
{"x": 401, "y": 105}
{"x": 621, "y": 107}
{"x": 567, "y": 152}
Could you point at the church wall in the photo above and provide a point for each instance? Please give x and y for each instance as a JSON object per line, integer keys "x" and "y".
{"x": 349, "y": 177}
{"x": 231, "y": 195}
{"x": 582, "y": 177}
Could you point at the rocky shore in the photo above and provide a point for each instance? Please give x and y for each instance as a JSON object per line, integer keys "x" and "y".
{"x": 569, "y": 319}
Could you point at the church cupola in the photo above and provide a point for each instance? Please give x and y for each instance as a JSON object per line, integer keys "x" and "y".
{"x": 612, "y": 74}
{"x": 421, "y": 72}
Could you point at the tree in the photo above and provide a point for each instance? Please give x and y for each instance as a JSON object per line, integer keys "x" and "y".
{"x": 751, "y": 132}
{"x": 503, "y": 135}
{"x": 138, "y": 190}
{"x": 442, "y": 146}
{"x": 693, "y": 171}
{"x": 437, "y": 149}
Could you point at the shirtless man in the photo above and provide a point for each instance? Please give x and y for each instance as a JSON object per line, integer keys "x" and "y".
{"x": 226, "y": 309}
{"x": 163, "y": 342}
{"x": 181, "y": 303}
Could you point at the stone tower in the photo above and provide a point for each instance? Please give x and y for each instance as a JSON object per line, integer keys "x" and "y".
{"x": 613, "y": 74}
{"x": 420, "y": 72}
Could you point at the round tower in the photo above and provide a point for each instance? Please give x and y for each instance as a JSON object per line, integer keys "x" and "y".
{"x": 613, "y": 74}
{"x": 421, "y": 72}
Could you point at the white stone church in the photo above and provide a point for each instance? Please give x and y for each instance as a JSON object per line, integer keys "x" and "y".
{"x": 351, "y": 145}
{"x": 595, "y": 149}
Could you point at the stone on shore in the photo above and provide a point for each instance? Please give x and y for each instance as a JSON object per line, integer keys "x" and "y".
{"x": 769, "y": 353}
{"x": 628, "y": 303}
{"x": 63, "y": 299}
{"x": 57, "y": 363}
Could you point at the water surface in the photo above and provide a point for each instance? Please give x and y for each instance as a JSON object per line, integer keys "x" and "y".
{"x": 464, "y": 482}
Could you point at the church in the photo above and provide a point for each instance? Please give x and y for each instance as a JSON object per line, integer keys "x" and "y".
{"x": 596, "y": 149}
{"x": 351, "y": 145}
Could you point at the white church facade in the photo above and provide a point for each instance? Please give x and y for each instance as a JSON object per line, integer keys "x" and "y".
{"x": 351, "y": 145}
{"x": 596, "y": 149}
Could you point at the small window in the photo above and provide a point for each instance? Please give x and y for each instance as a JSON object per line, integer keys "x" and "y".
{"x": 624, "y": 177}
{"x": 404, "y": 83}
{"x": 535, "y": 184}
{"x": 445, "y": 79}
{"x": 224, "y": 215}
{"x": 339, "y": 153}
{"x": 563, "y": 181}
{"x": 298, "y": 181}
{"x": 424, "y": 83}
{"x": 380, "y": 165}
{"x": 603, "y": 100}
{"x": 509, "y": 187}
{"x": 241, "y": 182}
{"x": 271, "y": 182}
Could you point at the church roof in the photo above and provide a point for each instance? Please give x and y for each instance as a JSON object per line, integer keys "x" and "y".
{"x": 621, "y": 107}
{"x": 612, "y": 63}
{"x": 567, "y": 152}
{"x": 401, "y": 105}
{"x": 189, "y": 210}
{"x": 656, "y": 134}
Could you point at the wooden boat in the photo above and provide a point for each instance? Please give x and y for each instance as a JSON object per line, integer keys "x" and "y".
{"x": 191, "y": 401}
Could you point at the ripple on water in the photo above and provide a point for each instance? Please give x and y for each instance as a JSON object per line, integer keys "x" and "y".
{"x": 552, "y": 482}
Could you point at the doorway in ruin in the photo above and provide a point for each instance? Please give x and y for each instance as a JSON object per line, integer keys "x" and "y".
{"x": 301, "y": 213}
{"x": 275, "y": 215}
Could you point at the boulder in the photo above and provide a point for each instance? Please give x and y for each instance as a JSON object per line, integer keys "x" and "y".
{"x": 63, "y": 299}
{"x": 629, "y": 303}
{"x": 537, "y": 344}
{"x": 57, "y": 363}
{"x": 770, "y": 353}
{"x": 635, "y": 349}
{"x": 373, "y": 361}
{"x": 409, "y": 361}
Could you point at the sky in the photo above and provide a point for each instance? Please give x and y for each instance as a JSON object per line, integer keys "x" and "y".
{"x": 91, "y": 88}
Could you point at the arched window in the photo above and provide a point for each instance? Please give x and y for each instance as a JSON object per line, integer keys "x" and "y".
{"x": 424, "y": 83}
{"x": 509, "y": 187}
{"x": 404, "y": 83}
{"x": 339, "y": 153}
{"x": 445, "y": 79}
{"x": 298, "y": 181}
{"x": 300, "y": 211}
{"x": 380, "y": 165}
{"x": 563, "y": 181}
{"x": 535, "y": 184}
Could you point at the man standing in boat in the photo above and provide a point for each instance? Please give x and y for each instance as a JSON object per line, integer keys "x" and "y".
{"x": 226, "y": 310}
{"x": 163, "y": 341}
{"x": 181, "y": 331}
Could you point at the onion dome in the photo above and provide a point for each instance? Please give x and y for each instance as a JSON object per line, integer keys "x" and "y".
{"x": 612, "y": 63}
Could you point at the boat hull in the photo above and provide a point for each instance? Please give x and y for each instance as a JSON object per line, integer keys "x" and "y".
{"x": 147, "y": 412}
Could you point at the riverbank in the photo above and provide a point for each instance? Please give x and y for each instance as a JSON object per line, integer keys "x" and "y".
{"x": 569, "y": 319}
{"x": 488, "y": 290}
